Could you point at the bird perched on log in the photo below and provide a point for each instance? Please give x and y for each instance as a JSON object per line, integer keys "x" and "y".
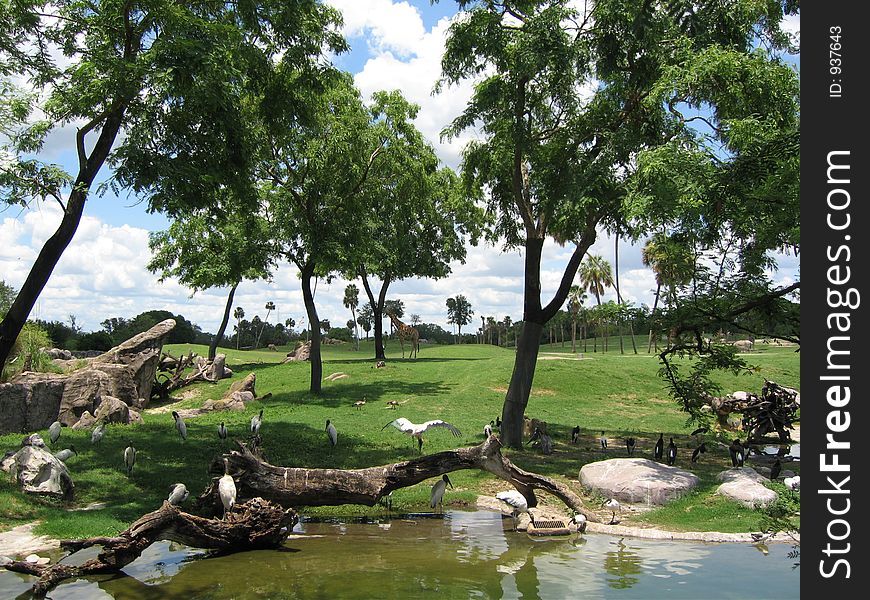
{"x": 603, "y": 441}
{"x": 97, "y": 433}
{"x": 699, "y": 450}
{"x": 660, "y": 447}
{"x": 518, "y": 504}
{"x": 735, "y": 449}
{"x": 629, "y": 445}
{"x": 129, "y": 457}
{"x": 672, "y": 452}
{"x": 256, "y": 422}
{"x": 613, "y": 506}
{"x": 222, "y": 431}
{"x": 66, "y": 453}
{"x": 54, "y": 432}
{"x": 575, "y": 434}
{"x": 178, "y": 493}
{"x": 416, "y": 430}
{"x": 179, "y": 425}
{"x": 227, "y": 489}
{"x": 438, "y": 489}
{"x": 775, "y": 470}
{"x": 332, "y": 433}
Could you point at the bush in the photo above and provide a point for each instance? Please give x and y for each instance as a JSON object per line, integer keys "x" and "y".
{"x": 30, "y": 342}
{"x": 96, "y": 340}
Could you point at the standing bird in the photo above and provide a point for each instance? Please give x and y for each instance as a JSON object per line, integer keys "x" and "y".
{"x": 416, "y": 431}
{"x": 775, "y": 470}
{"x": 518, "y": 504}
{"x": 179, "y": 425}
{"x": 360, "y": 403}
{"x": 672, "y": 452}
{"x": 97, "y": 433}
{"x": 227, "y": 489}
{"x": 699, "y": 450}
{"x": 580, "y": 520}
{"x": 54, "y": 432}
{"x": 66, "y": 454}
{"x": 660, "y": 447}
{"x": 178, "y": 494}
{"x": 129, "y": 457}
{"x": 498, "y": 423}
{"x": 487, "y": 429}
{"x": 603, "y": 441}
{"x": 575, "y": 434}
{"x": 613, "y": 506}
{"x": 629, "y": 445}
{"x": 735, "y": 449}
{"x": 256, "y": 421}
{"x": 222, "y": 431}
{"x": 437, "y": 496}
{"x": 793, "y": 483}
{"x": 332, "y": 433}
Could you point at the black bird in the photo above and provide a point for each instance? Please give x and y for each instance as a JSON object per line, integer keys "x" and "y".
{"x": 575, "y": 434}
{"x": 660, "y": 447}
{"x": 498, "y": 423}
{"x": 703, "y": 429}
{"x": 629, "y": 445}
{"x": 699, "y": 450}
{"x": 672, "y": 452}
{"x": 775, "y": 469}
{"x": 735, "y": 449}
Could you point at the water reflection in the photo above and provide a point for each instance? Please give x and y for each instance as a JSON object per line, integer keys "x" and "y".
{"x": 462, "y": 555}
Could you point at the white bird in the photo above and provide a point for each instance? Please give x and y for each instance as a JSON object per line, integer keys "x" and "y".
{"x": 178, "y": 494}
{"x": 129, "y": 458}
{"x": 438, "y": 489}
{"x": 614, "y": 506}
{"x": 227, "y": 489}
{"x": 793, "y": 483}
{"x": 416, "y": 431}
{"x": 487, "y": 429}
{"x": 256, "y": 421}
{"x": 97, "y": 433}
{"x": 332, "y": 433}
{"x": 222, "y": 431}
{"x": 517, "y": 502}
{"x": 760, "y": 538}
{"x": 54, "y": 431}
{"x": 580, "y": 520}
{"x": 179, "y": 425}
{"x": 66, "y": 453}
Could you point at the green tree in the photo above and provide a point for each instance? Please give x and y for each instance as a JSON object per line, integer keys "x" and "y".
{"x": 596, "y": 276}
{"x": 270, "y": 306}
{"x": 564, "y": 102}
{"x": 576, "y": 298}
{"x": 366, "y": 318}
{"x": 132, "y": 66}
{"x": 351, "y": 301}
{"x": 7, "y": 296}
{"x": 459, "y": 312}
{"x": 673, "y": 265}
{"x": 239, "y": 314}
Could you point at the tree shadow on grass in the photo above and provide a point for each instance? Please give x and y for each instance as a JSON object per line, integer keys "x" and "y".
{"x": 371, "y": 359}
{"x": 345, "y": 395}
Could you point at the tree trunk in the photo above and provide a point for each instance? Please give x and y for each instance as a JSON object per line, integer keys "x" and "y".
{"x": 573, "y": 336}
{"x": 307, "y": 272}
{"x": 525, "y": 361}
{"x": 652, "y": 318}
{"x": 256, "y": 524}
{"x": 212, "y": 348}
{"x": 377, "y": 311}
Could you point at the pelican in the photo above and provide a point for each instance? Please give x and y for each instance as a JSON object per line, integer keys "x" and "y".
{"x": 97, "y": 433}
{"x": 518, "y": 504}
{"x": 227, "y": 489}
{"x": 660, "y": 447}
{"x": 222, "y": 431}
{"x": 575, "y": 434}
{"x": 437, "y": 496}
{"x": 775, "y": 470}
{"x": 256, "y": 421}
{"x": 793, "y": 483}
{"x": 629, "y": 445}
{"x": 332, "y": 433}
{"x": 54, "y": 432}
{"x": 129, "y": 457}
{"x": 179, "y": 425}
{"x": 487, "y": 429}
{"x": 178, "y": 494}
{"x": 416, "y": 431}
{"x": 672, "y": 452}
{"x": 613, "y": 506}
{"x": 66, "y": 454}
{"x": 603, "y": 441}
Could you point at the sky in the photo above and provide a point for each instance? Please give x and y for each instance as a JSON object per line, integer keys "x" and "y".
{"x": 394, "y": 45}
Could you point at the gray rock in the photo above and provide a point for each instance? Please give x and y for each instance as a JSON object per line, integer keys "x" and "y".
{"x": 29, "y": 407}
{"x": 746, "y": 486}
{"x": 637, "y": 480}
{"x": 38, "y": 471}
{"x": 87, "y": 421}
{"x": 112, "y": 410}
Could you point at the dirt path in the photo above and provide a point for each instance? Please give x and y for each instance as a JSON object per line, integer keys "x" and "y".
{"x": 21, "y": 541}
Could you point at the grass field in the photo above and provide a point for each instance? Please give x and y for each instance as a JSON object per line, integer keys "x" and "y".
{"x": 464, "y": 385}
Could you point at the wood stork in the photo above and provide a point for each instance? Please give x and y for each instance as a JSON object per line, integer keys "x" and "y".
{"x": 660, "y": 447}
{"x": 129, "y": 457}
{"x": 793, "y": 483}
{"x": 66, "y": 454}
{"x": 416, "y": 430}
{"x": 54, "y": 432}
{"x": 575, "y": 434}
{"x": 332, "y": 433}
{"x": 179, "y": 425}
{"x": 487, "y": 429}
{"x": 97, "y": 433}
{"x": 760, "y": 538}
{"x": 672, "y": 452}
{"x": 629, "y": 445}
{"x": 735, "y": 449}
{"x": 699, "y": 450}
{"x": 775, "y": 470}
{"x": 178, "y": 494}
{"x": 438, "y": 489}
{"x": 227, "y": 489}
{"x": 518, "y": 504}
{"x": 603, "y": 441}
{"x": 256, "y": 422}
{"x": 222, "y": 431}
{"x": 613, "y": 506}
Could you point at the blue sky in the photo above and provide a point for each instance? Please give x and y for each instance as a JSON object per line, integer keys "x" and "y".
{"x": 393, "y": 45}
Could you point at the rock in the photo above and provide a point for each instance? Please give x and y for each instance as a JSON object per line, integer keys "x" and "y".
{"x": 245, "y": 385}
{"x": 87, "y": 421}
{"x": 745, "y": 485}
{"x": 29, "y": 407}
{"x": 637, "y": 480}
{"x": 302, "y": 352}
{"x": 35, "y": 559}
{"x": 218, "y": 368}
{"x": 38, "y": 471}
{"x": 34, "y": 439}
{"x": 743, "y": 345}
{"x": 112, "y": 410}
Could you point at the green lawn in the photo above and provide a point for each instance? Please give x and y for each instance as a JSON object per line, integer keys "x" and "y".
{"x": 464, "y": 385}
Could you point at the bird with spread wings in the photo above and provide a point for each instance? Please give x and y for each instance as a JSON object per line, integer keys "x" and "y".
{"x": 416, "y": 430}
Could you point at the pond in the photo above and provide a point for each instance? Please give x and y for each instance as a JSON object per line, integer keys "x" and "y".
{"x": 462, "y": 554}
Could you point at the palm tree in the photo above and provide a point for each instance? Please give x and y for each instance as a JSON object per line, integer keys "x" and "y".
{"x": 576, "y": 296}
{"x": 619, "y": 296}
{"x": 596, "y": 276}
{"x": 507, "y": 330}
{"x": 239, "y": 314}
{"x": 270, "y": 306}
{"x": 351, "y": 301}
{"x": 289, "y": 324}
{"x": 673, "y": 265}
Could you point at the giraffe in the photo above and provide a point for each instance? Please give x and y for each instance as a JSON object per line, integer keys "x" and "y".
{"x": 406, "y": 332}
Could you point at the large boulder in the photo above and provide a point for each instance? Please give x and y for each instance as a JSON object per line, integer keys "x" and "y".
{"x": 37, "y": 471}
{"x": 29, "y": 406}
{"x": 637, "y": 480}
{"x": 300, "y": 353}
{"x": 746, "y": 486}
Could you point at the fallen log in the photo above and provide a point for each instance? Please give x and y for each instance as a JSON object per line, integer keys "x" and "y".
{"x": 296, "y": 486}
{"x": 256, "y": 524}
